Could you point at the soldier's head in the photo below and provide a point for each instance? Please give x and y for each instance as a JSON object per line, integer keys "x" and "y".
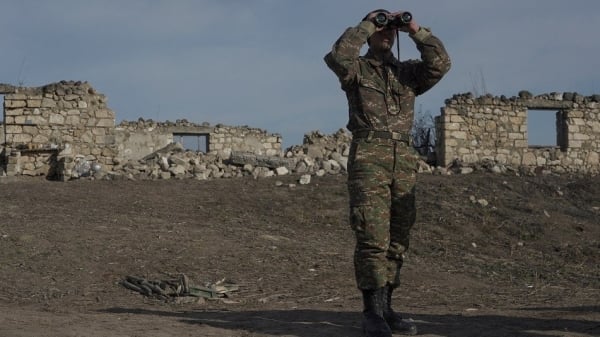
{"x": 383, "y": 40}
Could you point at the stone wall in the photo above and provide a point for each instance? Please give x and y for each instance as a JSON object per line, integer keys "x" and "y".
{"x": 318, "y": 155}
{"x": 47, "y": 128}
{"x": 226, "y": 139}
{"x": 473, "y": 131}
{"x": 63, "y": 129}
{"x": 135, "y": 140}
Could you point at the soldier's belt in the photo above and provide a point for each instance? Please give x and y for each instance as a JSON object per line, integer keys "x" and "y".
{"x": 371, "y": 134}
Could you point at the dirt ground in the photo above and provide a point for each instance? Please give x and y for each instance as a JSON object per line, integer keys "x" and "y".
{"x": 491, "y": 255}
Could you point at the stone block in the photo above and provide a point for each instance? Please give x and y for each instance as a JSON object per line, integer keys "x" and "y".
{"x": 10, "y": 104}
{"x": 73, "y": 120}
{"x": 34, "y": 103}
{"x": 541, "y": 161}
{"x": 470, "y": 159}
{"x": 581, "y": 136}
{"x": 282, "y": 170}
{"x": 13, "y": 129}
{"x": 593, "y": 158}
{"x": 57, "y": 119}
{"x": 22, "y": 138}
{"x": 48, "y": 103}
{"x": 105, "y": 122}
{"x": 459, "y": 135}
{"x": 13, "y": 169}
{"x": 15, "y": 97}
{"x": 516, "y": 136}
{"x": 529, "y": 159}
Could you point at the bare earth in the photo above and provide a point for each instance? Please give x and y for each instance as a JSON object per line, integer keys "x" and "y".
{"x": 525, "y": 265}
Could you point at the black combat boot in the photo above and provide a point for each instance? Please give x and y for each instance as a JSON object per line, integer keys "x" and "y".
{"x": 373, "y": 323}
{"x": 396, "y": 323}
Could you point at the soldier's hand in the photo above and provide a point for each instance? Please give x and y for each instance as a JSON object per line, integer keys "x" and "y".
{"x": 412, "y": 27}
{"x": 371, "y": 17}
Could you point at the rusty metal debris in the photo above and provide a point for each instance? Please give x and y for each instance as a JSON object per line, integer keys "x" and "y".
{"x": 177, "y": 288}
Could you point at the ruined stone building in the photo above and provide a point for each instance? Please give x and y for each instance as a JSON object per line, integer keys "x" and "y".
{"x": 49, "y": 130}
{"x": 53, "y": 130}
{"x": 472, "y": 131}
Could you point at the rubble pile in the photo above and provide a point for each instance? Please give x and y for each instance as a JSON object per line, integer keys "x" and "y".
{"x": 319, "y": 155}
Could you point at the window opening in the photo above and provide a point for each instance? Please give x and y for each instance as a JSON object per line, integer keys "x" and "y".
{"x": 545, "y": 128}
{"x": 197, "y": 142}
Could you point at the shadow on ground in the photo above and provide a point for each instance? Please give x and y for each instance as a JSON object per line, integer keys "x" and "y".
{"x": 310, "y": 323}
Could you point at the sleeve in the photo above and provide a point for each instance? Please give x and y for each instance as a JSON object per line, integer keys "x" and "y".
{"x": 435, "y": 61}
{"x": 343, "y": 58}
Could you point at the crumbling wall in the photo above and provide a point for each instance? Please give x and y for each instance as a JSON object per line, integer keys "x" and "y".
{"x": 50, "y": 129}
{"x": 226, "y": 140}
{"x": 66, "y": 130}
{"x": 494, "y": 130}
{"x": 318, "y": 155}
{"x": 135, "y": 140}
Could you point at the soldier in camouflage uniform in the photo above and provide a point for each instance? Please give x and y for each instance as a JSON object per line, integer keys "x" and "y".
{"x": 381, "y": 92}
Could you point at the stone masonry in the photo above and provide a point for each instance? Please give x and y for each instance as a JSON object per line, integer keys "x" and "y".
{"x": 64, "y": 129}
{"x": 137, "y": 139}
{"x": 47, "y": 128}
{"x": 493, "y": 130}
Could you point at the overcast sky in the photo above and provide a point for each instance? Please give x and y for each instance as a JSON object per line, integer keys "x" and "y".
{"x": 260, "y": 62}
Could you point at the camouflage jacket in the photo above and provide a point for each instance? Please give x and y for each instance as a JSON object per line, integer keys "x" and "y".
{"x": 381, "y": 93}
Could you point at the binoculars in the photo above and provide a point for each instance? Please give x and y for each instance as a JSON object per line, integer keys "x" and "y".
{"x": 392, "y": 21}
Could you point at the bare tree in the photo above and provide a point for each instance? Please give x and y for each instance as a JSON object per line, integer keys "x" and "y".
{"x": 423, "y": 136}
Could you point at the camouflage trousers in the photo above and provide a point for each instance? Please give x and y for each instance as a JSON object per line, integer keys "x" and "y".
{"x": 381, "y": 185}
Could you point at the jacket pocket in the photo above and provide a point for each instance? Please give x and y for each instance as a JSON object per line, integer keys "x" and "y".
{"x": 373, "y": 102}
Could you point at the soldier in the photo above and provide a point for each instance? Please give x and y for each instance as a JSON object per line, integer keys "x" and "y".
{"x": 381, "y": 92}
